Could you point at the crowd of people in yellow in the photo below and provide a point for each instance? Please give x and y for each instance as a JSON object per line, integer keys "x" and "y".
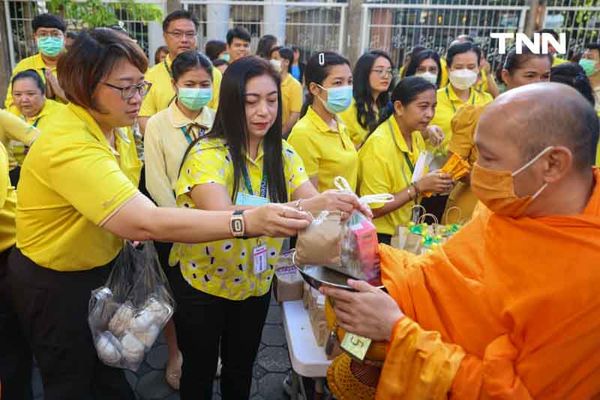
{"x": 216, "y": 156}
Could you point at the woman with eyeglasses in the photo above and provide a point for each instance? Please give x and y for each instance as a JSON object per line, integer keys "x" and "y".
{"x": 372, "y": 76}
{"x": 79, "y": 201}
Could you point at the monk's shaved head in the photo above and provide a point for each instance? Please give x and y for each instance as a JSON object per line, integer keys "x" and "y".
{"x": 539, "y": 115}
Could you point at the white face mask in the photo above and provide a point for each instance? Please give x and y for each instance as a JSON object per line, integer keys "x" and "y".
{"x": 428, "y": 76}
{"x": 462, "y": 79}
{"x": 276, "y": 65}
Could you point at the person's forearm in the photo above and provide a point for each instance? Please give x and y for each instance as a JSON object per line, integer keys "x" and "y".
{"x": 187, "y": 226}
{"x": 400, "y": 199}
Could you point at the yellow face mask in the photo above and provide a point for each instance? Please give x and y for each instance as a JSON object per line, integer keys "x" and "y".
{"x": 496, "y": 189}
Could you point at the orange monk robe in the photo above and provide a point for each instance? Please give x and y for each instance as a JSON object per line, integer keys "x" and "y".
{"x": 508, "y": 309}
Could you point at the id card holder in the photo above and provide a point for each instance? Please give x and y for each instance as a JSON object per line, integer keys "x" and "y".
{"x": 245, "y": 199}
{"x": 355, "y": 345}
{"x": 259, "y": 258}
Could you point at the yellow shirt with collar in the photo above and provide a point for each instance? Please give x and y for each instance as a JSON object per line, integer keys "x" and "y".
{"x": 13, "y": 128}
{"x": 165, "y": 142}
{"x": 161, "y": 93}
{"x": 325, "y": 152}
{"x": 35, "y": 62}
{"x": 448, "y": 104}
{"x": 72, "y": 181}
{"x": 349, "y": 117}
{"x": 39, "y": 121}
{"x": 384, "y": 169}
{"x": 8, "y": 201}
{"x": 291, "y": 98}
{"x": 225, "y": 268}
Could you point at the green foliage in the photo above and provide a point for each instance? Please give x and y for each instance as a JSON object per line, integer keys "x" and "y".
{"x": 95, "y": 13}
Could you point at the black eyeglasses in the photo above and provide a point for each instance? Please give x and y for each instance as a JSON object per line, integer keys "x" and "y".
{"x": 128, "y": 92}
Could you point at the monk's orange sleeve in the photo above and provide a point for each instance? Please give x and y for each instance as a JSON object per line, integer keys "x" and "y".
{"x": 418, "y": 364}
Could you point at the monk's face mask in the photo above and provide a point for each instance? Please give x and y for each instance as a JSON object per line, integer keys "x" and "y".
{"x": 496, "y": 189}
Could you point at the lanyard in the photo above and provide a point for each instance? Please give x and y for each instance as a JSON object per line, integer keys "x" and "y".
{"x": 168, "y": 69}
{"x": 186, "y": 133}
{"x": 408, "y": 162}
{"x": 452, "y": 104}
{"x": 35, "y": 123}
{"x": 263, "y": 184}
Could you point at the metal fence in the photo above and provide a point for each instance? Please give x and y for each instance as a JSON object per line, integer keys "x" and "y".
{"x": 312, "y": 26}
{"x": 579, "y": 19}
{"x": 398, "y": 26}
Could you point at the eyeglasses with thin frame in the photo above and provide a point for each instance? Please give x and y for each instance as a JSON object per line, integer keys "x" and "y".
{"x": 383, "y": 72}
{"x": 180, "y": 34}
{"x": 128, "y": 92}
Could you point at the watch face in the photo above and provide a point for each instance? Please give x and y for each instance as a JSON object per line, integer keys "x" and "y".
{"x": 237, "y": 225}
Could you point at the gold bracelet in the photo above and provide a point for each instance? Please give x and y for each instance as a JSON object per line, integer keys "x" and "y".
{"x": 410, "y": 197}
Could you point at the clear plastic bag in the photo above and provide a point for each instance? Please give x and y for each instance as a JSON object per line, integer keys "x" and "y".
{"x": 127, "y": 314}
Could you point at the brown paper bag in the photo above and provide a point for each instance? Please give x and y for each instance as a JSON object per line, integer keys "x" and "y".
{"x": 321, "y": 243}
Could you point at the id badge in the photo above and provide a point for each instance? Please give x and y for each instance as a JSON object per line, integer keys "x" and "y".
{"x": 245, "y": 199}
{"x": 357, "y": 346}
{"x": 259, "y": 257}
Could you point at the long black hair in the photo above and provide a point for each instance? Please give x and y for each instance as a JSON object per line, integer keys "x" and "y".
{"x": 573, "y": 75}
{"x": 418, "y": 58}
{"x": 230, "y": 125}
{"x": 363, "y": 93}
{"x": 265, "y": 44}
{"x": 317, "y": 70}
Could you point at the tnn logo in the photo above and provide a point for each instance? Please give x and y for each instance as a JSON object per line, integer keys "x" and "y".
{"x": 538, "y": 46}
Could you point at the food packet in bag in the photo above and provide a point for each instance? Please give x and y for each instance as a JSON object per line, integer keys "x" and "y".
{"x": 321, "y": 243}
{"x": 127, "y": 314}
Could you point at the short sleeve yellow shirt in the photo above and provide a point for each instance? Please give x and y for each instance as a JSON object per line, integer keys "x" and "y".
{"x": 8, "y": 200}
{"x": 448, "y": 103}
{"x": 291, "y": 98}
{"x": 12, "y": 128}
{"x": 384, "y": 169}
{"x": 72, "y": 181}
{"x": 161, "y": 93}
{"x": 224, "y": 268}
{"x": 325, "y": 152}
{"x": 357, "y": 133}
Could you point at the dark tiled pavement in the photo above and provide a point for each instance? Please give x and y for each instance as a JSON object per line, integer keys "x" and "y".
{"x": 270, "y": 369}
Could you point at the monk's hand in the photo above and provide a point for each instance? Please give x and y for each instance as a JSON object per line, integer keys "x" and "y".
{"x": 368, "y": 312}
{"x": 435, "y": 135}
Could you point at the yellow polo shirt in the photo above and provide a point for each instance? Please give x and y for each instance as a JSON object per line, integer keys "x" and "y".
{"x": 12, "y": 128}
{"x": 39, "y": 121}
{"x": 384, "y": 169}
{"x": 8, "y": 201}
{"x": 557, "y": 61}
{"x": 35, "y": 62}
{"x": 357, "y": 133}
{"x": 161, "y": 93}
{"x": 326, "y": 153}
{"x": 72, "y": 181}
{"x": 448, "y": 104}
{"x": 225, "y": 268}
{"x": 168, "y": 135}
{"x": 291, "y": 98}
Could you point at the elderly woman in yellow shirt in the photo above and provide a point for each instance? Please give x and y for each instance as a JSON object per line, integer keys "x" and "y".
{"x": 223, "y": 289}
{"x": 390, "y": 154}
{"x": 518, "y": 70}
{"x": 320, "y": 138}
{"x": 372, "y": 77}
{"x": 78, "y": 202}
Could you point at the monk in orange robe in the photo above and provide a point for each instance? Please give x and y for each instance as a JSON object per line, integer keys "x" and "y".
{"x": 509, "y": 308}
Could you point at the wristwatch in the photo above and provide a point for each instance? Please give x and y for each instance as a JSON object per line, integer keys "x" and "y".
{"x": 236, "y": 224}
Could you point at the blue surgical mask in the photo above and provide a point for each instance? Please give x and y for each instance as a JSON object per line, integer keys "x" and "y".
{"x": 589, "y": 66}
{"x": 338, "y": 98}
{"x": 50, "y": 46}
{"x": 194, "y": 98}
